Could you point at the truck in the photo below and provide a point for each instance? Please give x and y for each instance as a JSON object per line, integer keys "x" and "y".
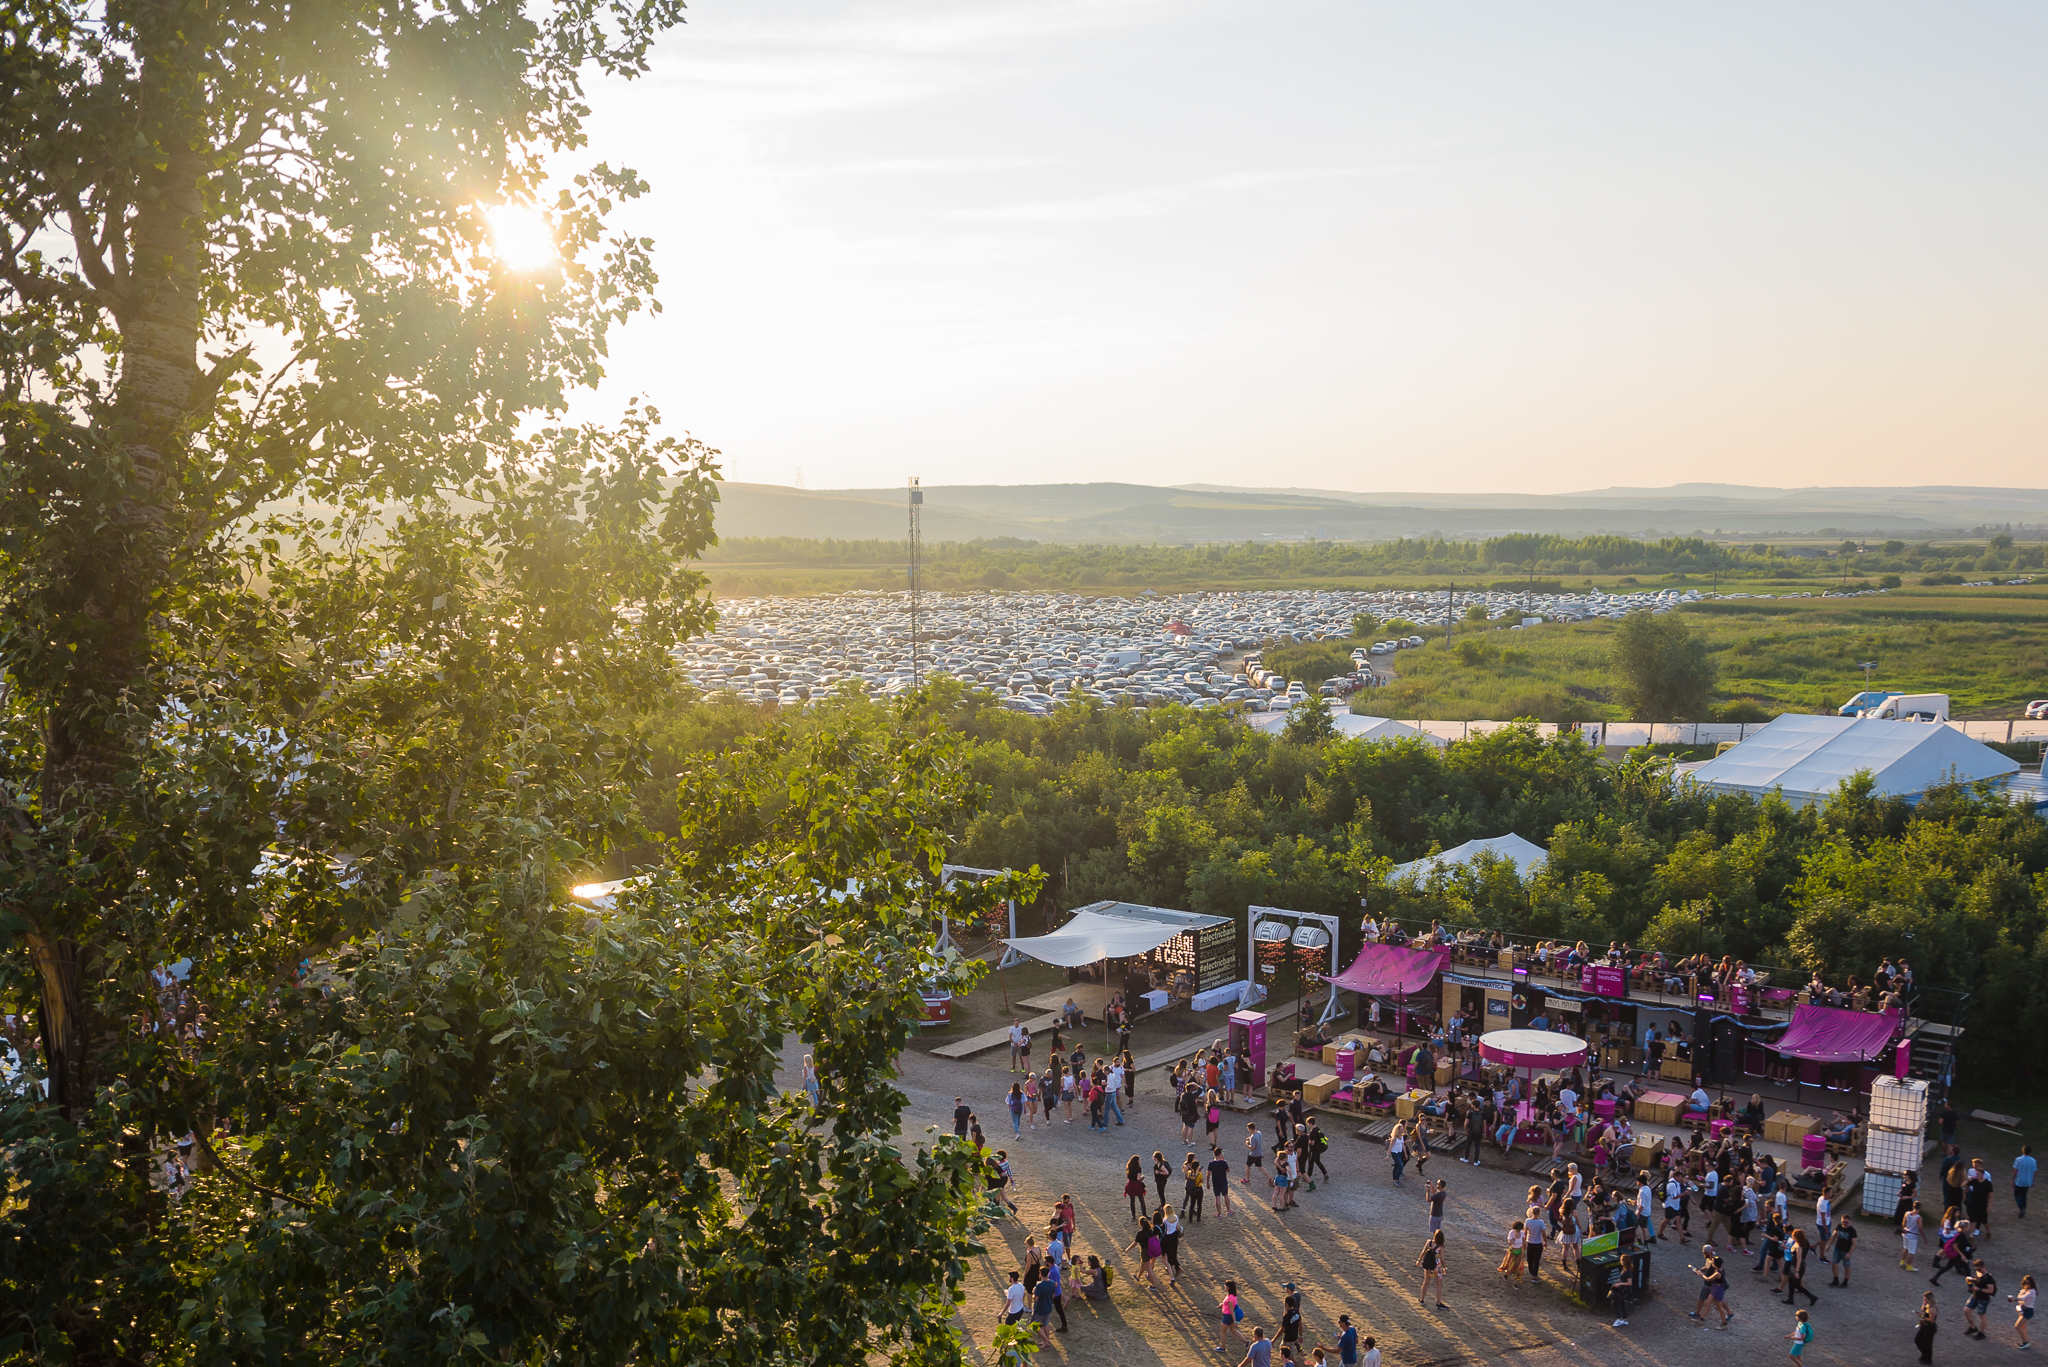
{"x": 1866, "y": 704}
{"x": 1912, "y": 707}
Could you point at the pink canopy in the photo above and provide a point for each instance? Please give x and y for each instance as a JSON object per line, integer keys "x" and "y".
{"x": 1390, "y": 970}
{"x": 1829, "y": 1034}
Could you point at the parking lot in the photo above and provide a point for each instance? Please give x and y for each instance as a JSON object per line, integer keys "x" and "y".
{"x": 1033, "y": 649}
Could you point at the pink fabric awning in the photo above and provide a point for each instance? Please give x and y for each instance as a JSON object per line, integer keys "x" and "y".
{"x": 1390, "y": 970}
{"x": 1829, "y": 1034}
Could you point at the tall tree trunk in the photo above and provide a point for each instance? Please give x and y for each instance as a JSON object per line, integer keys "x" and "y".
{"x": 121, "y": 569}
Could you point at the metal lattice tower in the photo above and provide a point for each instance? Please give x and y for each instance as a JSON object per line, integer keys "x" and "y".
{"x": 916, "y": 559}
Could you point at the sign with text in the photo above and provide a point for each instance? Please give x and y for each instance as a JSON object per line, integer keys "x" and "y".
{"x": 1603, "y": 981}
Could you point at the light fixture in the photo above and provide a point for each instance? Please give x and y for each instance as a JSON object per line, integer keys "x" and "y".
{"x": 1311, "y": 937}
{"x": 1270, "y": 933}
{"x": 520, "y": 237}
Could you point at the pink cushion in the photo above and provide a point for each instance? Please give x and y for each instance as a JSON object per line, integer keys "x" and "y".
{"x": 1604, "y": 1108}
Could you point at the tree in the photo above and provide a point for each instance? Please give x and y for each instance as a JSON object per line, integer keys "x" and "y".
{"x": 323, "y": 640}
{"x": 1309, "y": 723}
{"x": 1363, "y": 625}
{"x": 1665, "y": 671}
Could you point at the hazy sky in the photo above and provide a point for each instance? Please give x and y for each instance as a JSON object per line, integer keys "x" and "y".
{"x": 1347, "y": 245}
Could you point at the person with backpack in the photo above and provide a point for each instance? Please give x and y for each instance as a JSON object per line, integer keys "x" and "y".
{"x": 1146, "y": 1245}
{"x": 1231, "y": 1313}
{"x": 1802, "y": 1332}
{"x": 1134, "y": 1187}
{"x": 1318, "y": 1145}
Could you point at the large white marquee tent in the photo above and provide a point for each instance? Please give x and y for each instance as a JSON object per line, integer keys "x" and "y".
{"x": 1806, "y": 758}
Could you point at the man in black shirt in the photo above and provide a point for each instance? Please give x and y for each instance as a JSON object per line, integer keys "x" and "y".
{"x": 1290, "y": 1319}
{"x": 1977, "y": 1309}
{"x": 1845, "y": 1245}
{"x": 962, "y": 1113}
{"x": 1949, "y": 1120}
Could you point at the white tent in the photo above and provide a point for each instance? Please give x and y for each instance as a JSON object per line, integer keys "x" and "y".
{"x": 1351, "y": 727}
{"x": 1110, "y": 930}
{"x": 1806, "y": 758}
{"x": 1525, "y": 855}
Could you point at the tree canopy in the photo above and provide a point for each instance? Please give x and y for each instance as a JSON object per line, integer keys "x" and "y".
{"x": 1665, "y": 669}
{"x": 324, "y": 642}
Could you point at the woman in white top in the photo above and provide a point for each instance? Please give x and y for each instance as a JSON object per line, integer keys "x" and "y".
{"x": 810, "y": 1079}
{"x": 2023, "y": 1307}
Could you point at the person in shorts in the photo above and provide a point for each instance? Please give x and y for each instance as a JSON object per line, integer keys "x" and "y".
{"x": 1254, "y": 1151}
{"x": 1977, "y": 1309}
{"x": 1438, "y": 1194}
{"x": 1845, "y": 1245}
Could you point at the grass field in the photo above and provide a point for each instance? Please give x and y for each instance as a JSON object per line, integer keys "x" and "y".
{"x": 1987, "y": 648}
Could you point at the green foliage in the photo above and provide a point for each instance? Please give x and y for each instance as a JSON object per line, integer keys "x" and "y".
{"x": 1309, "y": 722}
{"x": 1363, "y": 625}
{"x": 1663, "y": 668}
{"x": 328, "y": 652}
{"x": 1311, "y": 663}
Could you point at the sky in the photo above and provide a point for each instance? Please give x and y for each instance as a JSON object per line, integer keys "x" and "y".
{"x": 1470, "y": 247}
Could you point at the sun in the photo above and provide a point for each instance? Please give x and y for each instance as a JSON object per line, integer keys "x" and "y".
{"x": 520, "y": 237}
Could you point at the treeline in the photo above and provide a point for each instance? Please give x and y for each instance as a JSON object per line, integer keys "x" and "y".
{"x": 1191, "y": 810}
{"x": 778, "y": 564}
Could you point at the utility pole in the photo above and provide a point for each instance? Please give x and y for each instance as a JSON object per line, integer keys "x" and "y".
{"x": 916, "y": 559}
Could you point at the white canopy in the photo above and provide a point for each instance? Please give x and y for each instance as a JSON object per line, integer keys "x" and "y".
{"x": 1808, "y": 757}
{"x": 1525, "y": 855}
{"x": 1351, "y": 727}
{"x": 1110, "y": 930}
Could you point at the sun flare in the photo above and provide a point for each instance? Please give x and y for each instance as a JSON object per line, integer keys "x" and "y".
{"x": 520, "y": 236}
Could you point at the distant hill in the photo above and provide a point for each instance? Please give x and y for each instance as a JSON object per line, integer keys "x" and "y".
{"x": 1142, "y": 513}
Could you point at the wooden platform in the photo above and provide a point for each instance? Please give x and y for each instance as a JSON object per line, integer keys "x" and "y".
{"x": 996, "y": 1039}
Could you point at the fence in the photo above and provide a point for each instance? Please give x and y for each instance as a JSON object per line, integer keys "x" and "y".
{"x": 1704, "y": 732}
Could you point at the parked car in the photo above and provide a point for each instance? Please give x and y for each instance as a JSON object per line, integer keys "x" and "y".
{"x": 2037, "y": 710}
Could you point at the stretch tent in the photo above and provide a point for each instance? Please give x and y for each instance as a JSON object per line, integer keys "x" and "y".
{"x": 1829, "y": 1034}
{"x": 1527, "y": 856}
{"x": 1390, "y": 970}
{"x": 1203, "y": 946}
{"x": 1806, "y": 758}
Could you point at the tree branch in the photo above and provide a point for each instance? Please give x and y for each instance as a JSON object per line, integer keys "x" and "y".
{"x": 91, "y": 251}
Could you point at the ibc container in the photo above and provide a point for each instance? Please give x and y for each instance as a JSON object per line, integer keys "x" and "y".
{"x": 1899, "y": 1104}
{"x": 1892, "y": 1151}
{"x": 1880, "y": 1195}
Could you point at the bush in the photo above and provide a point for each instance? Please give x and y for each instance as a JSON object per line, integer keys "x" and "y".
{"x": 1742, "y": 710}
{"x": 1890, "y": 581}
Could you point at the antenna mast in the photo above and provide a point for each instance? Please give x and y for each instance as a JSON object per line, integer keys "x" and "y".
{"x": 916, "y": 559}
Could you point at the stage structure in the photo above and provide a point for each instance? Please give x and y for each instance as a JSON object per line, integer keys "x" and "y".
{"x": 1309, "y": 932}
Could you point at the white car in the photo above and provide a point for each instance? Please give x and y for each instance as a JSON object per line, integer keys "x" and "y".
{"x": 2037, "y": 710}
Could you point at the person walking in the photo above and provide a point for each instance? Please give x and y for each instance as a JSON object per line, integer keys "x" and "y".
{"x": 1230, "y": 1314}
{"x": 1924, "y": 1326}
{"x": 1016, "y": 1043}
{"x": 1030, "y": 1100}
{"x": 1113, "y": 1084}
{"x": 1318, "y": 1145}
{"x": 1845, "y": 1246}
{"x": 1290, "y": 1320}
{"x": 1068, "y": 1084}
{"x": 1954, "y": 1255}
{"x": 1431, "y": 1261}
{"x": 1475, "y": 1132}
{"x": 1049, "y": 1093}
{"x": 1436, "y": 1195}
{"x": 1193, "y": 1181}
{"x": 1219, "y": 1180}
{"x": 1713, "y": 1287}
{"x": 1796, "y": 1254}
{"x": 962, "y": 1115}
{"x": 1802, "y": 1333}
{"x": 1134, "y": 1187}
{"x": 1909, "y": 1237}
{"x": 2023, "y": 1309}
{"x": 1347, "y": 1342}
{"x": 1674, "y": 1202}
{"x": 1982, "y": 1286}
{"x": 1977, "y": 1189}
{"x": 1145, "y": 1243}
{"x": 811, "y": 1085}
{"x": 1169, "y": 1232}
{"x": 1533, "y": 1231}
{"x": 1254, "y": 1152}
{"x": 1162, "y": 1173}
{"x": 1190, "y": 1107}
{"x": 1016, "y": 1104}
{"x": 1510, "y": 1267}
{"x": 1397, "y": 1150}
{"x": 1260, "y": 1353}
{"x": 1280, "y": 1178}
{"x": 2022, "y": 1180}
